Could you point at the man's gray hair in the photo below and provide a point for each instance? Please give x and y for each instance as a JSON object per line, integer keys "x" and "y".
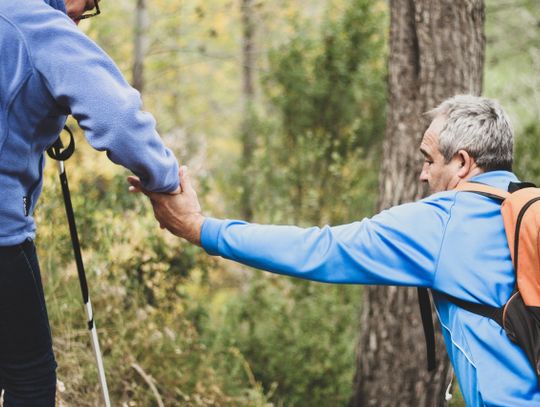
{"x": 479, "y": 126}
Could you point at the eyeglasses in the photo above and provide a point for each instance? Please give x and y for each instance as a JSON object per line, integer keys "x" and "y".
{"x": 89, "y": 15}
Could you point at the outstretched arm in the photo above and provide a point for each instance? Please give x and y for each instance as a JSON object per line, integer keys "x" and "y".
{"x": 397, "y": 247}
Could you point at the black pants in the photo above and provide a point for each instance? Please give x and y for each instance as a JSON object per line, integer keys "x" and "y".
{"x": 27, "y": 364}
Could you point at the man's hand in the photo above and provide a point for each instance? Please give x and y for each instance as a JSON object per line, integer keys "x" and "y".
{"x": 178, "y": 212}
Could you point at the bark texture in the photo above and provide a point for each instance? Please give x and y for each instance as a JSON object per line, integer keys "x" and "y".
{"x": 140, "y": 45}
{"x": 248, "y": 91}
{"x": 436, "y": 51}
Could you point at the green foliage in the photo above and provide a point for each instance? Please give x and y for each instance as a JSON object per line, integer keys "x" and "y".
{"x": 527, "y": 151}
{"x": 137, "y": 276}
{"x": 319, "y": 139}
{"x": 513, "y": 61}
{"x": 169, "y": 315}
{"x": 297, "y": 338}
{"x": 512, "y": 76}
{"x": 329, "y": 92}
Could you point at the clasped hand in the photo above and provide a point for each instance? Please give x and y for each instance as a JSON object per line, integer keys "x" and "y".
{"x": 179, "y": 212}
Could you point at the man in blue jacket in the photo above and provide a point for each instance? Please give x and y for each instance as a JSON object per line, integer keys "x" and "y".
{"x": 453, "y": 242}
{"x": 48, "y": 70}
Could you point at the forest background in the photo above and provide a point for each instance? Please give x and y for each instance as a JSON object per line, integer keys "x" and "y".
{"x": 302, "y": 146}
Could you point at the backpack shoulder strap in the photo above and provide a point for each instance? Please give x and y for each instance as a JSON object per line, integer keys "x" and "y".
{"x": 483, "y": 189}
{"x": 427, "y": 323}
{"x": 495, "y": 313}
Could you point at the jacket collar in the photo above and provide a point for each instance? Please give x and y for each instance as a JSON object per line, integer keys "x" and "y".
{"x": 497, "y": 179}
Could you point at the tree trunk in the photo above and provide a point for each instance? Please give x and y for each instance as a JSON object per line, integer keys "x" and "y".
{"x": 140, "y": 45}
{"x": 436, "y": 51}
{"x": 248, "y": 91}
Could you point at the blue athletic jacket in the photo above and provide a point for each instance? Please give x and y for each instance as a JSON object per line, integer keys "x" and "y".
{"x": 48, "y": 70}
{"x": 453, "y": 242}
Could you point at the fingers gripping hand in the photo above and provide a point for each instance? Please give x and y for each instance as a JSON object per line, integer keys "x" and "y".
{"x": 180, "y": 211}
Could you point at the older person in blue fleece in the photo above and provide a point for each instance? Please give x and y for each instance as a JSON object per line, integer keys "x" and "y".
{"x": 49, "y": 69}
{"x": 453, "y": 242}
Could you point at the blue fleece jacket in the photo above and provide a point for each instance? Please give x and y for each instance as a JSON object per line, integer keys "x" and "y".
{"x": 48, "y": 70}
{"x": 453, "y": 242}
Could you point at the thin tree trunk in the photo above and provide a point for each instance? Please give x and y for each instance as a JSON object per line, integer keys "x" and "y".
{"x": 436, "y": 51}
{"x": 140, "y": 45}
{"x": 248, "y": 91}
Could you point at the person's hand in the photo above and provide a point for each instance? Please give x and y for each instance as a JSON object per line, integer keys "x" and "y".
{"x": 179, "y": 211}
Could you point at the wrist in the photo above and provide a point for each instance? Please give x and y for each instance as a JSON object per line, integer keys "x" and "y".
{"x": 195, "y": 228}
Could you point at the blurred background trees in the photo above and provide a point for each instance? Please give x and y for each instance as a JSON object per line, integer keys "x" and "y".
{"x": 303, "y": 87}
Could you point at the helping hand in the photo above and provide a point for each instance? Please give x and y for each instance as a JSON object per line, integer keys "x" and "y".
{"x": 179, "y": 212}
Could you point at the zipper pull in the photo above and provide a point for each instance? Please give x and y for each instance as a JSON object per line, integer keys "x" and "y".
{"x": 26, "y": 205}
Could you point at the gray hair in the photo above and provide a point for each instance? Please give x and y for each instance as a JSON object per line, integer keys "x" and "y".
{"x": 479, "y": 126}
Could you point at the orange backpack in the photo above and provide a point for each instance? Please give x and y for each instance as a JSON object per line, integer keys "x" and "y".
{"x": 520, "y": 316}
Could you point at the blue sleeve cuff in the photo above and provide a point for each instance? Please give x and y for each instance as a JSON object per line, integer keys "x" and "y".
{"x": 210, "y": 235}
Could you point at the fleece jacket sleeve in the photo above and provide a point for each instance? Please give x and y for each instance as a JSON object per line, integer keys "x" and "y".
{"x": 86, "y": 82}
{"x": 397, "y": 247}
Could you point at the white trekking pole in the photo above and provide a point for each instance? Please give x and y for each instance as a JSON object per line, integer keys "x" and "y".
{"x": 59, "y": 153}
